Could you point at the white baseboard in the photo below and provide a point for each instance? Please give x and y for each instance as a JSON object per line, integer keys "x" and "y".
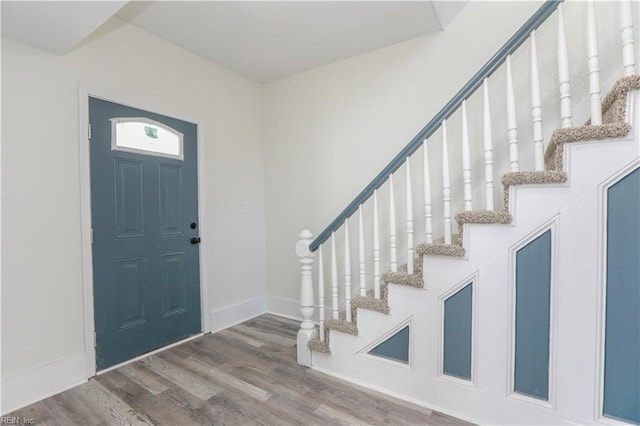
{"x": 231, "y": 315}
{"x": 21, "y": 389}
{"x": 284, "y": 307}
{"x": 385, "y": 391}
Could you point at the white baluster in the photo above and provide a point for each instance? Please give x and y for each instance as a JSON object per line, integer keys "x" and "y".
{"x": 563, "y": 73}
{"x": 307, "y": 328}
{"x": 466, "y": 159}
{"x": 347, "y": 272}
{"x": 594, "y": 66}
{"x": 409, "y": 221}
{"x": 392, "y": 225}
{"x": 334, "y": 279}
{"x": 488, "y": 148}
{"x": 536, "y": 108}
{"x": 376, "y": 247}
{"x": 626, "y": 32}
{"x": 428, "y": 225}
{"x": 321, "y": 295}
{"x": 363, "y": 275}
{"x": 446, "y": 185}
{"x": 512, "y": 121}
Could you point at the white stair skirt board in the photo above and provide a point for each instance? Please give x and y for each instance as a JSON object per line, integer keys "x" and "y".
{"x": 228, "y": 316}
{"x": 573, "y": 211}
{"x": 21, "y": 389}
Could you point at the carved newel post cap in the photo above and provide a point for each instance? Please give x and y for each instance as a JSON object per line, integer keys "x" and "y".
{"x": 302, "y": 246}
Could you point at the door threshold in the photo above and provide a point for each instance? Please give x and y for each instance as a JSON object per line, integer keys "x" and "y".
{"x": 153, "y": 352}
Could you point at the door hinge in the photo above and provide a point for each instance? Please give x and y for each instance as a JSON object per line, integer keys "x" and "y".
{"x": 91, "y": 235}
{"x": 95, "y": 339}
{"x": 89, "y": 131}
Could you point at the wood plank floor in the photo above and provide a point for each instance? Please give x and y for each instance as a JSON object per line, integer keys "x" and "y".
{"x": 245, "y": 375}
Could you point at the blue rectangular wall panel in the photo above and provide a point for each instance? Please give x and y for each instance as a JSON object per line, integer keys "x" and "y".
{"x": 622, "y": 329}
{"x": 457, "y": 333}
{"x": 533, "y": 297}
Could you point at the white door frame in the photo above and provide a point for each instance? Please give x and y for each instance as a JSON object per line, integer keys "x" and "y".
{"x": 85, "y": 215}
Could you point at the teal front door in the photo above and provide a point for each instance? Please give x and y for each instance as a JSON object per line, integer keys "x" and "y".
{"x": 144, "y": 202}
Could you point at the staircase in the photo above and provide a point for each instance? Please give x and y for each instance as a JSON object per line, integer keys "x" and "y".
{"x": 478, "y": 358}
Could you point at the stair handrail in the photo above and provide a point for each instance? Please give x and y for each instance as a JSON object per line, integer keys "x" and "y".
{"x": 518, "y": 38}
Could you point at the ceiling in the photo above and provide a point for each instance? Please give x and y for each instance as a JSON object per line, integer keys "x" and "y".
{"x": 55, "y": 26}
{"x": 262, "y": 40}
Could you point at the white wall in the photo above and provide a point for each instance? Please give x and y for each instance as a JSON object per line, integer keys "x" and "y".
{"x": 330, "y": 130}
{"x": 42, "y": 289}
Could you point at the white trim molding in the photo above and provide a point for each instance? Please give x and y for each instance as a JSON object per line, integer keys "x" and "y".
{"x": 228, "y": 316}
{"x": 284, "y": 307}
{"x": 35, "y": 384}
{"x": 84, "y": 92}
{"x": 398, "y": 395}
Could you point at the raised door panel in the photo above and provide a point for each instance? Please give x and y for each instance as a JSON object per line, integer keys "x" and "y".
{"x": 129, "y": 198}
{"x": 130, "y": 284}
{"x": 171, "y": 199}
{"x": 174, "y": 284}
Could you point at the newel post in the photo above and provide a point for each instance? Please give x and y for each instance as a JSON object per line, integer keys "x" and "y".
{"x": 307, "y": 327}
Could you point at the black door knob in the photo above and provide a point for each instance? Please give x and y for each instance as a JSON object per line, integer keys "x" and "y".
{"x": 195, "y": 240}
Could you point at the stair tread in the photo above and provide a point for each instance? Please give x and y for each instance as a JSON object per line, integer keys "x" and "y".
{"x": 439, "y": 248}
{"x": 318, "y": 345}
{"x": 402, "y": 278}
{"x": 342, "y": 325}
{"x": 371, "y": 303}
{"x": 483, "y": 216}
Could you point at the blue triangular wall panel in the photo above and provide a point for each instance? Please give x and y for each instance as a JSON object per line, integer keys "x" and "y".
{"x": 395, "y": 347}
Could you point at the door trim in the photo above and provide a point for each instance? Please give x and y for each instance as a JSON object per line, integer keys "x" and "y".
{"x": 84, "y": 93}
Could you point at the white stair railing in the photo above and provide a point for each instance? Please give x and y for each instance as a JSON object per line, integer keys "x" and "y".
{"x": 487, "y": 138}
{"x": 626, "y": 33}
{"x": 347, "y": 272}
{"x": 446, "y": 185}
{"x": 321, "y": 330}
{"x": 536, "y": 108}
{"x": 409, "y": 199}
{"x": 361, "y": 264}
{"x": 428, "y": 223}
{"x": 466, "y": 160}
{"x": 393, "y": 255}
{"x": 335, "y": 312}
{"x": 376, "y": 247}
{"x": 512, "y": 121}
{"x": 594, "y": 66}
{"x": 485, "y": 156}
{"x": 563, "y": 73}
